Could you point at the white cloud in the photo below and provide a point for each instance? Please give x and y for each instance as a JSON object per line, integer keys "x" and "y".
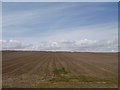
{"x": 63, "y": 45}
{"x": 10, "y": 44}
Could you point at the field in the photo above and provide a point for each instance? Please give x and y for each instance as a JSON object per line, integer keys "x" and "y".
{"x": 37, "y": 69}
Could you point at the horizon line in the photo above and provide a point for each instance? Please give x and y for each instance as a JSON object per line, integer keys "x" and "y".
{"x": 61, "y": 51}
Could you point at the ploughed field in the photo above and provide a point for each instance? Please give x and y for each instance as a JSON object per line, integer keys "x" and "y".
{"x": 25, "y": 69}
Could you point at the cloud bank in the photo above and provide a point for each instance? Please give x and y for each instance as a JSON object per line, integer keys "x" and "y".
{"x": 84, "y": 45}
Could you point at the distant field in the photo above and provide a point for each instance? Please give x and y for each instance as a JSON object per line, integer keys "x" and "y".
{"x": 59, "y": 69}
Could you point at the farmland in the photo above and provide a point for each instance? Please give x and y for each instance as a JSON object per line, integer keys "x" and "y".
{"x": 38, "y": 69}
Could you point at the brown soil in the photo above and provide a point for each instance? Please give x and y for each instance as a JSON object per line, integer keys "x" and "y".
{"x": 35, "y": 69}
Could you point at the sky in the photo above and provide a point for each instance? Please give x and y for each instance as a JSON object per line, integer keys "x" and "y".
{"x": 60, "y": 0}
{"x": 60, "y": 26}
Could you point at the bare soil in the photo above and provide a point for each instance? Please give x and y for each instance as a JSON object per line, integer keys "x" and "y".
{"x": 21, "y": 69}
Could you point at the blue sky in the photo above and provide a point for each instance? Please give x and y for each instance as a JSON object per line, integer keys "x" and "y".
{"x": 70, "y": 26}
